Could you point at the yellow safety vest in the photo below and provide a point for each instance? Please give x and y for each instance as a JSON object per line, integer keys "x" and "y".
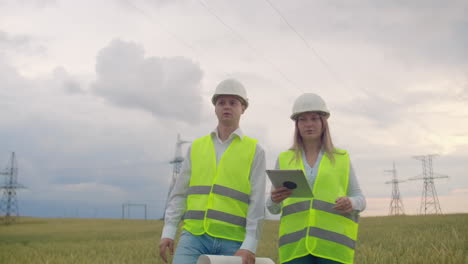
{"x": 311, "y": 225}
{"x": 218, "y": 195}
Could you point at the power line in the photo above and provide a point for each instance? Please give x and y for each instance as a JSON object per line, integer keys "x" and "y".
{"x": 127, "y": 206}
{"x": 238, "y": 35}
{"x": 320, "y": 58}
{"x": 9, "y": 203}
{"x": 177, "y": 38}
{"x": 396, "y": 204}
{"x": 327, "y": 66}
{"x": 177, "y": 162}
{"x": 165, "y": 29}
{"x": 429, "y": 199}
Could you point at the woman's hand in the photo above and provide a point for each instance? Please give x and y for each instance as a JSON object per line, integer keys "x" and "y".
{"x": 343, "y": 204}
{"x": 279, "y": 194}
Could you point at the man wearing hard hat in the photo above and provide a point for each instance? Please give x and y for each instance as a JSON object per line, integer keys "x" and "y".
{"x": 219, "y": 194}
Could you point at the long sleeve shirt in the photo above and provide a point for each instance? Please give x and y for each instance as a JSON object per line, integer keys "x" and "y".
{"x": 358, "y": 201}
{"x": 256, "y": 212}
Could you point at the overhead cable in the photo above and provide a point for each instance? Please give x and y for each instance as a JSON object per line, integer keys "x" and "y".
{"x": 238, "y": 35}
{"x": 320, "y": 58}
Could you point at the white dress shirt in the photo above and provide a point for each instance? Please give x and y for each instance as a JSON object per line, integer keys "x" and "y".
{"x": 358, "y": 201}
{"x": 256, "y": 213}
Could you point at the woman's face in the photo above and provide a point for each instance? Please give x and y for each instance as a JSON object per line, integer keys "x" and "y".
{"x": 310, "y": 126}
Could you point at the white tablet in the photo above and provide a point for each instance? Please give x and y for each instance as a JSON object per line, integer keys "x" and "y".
{"x": 292, "y": 179}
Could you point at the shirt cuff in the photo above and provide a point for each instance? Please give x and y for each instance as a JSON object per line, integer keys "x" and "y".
{"x": 270, "y": 200}
{"x": 353, "y": 202}
{"x": 169, "y": 231}
{"x": 356, "y": 204}
{"x": 273, "y": 208}
{"x": 250, "y": 244}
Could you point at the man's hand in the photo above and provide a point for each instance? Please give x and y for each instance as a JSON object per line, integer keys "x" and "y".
{"x": 343, "y": 204}
{"x": 247, "y": 256}
{"x": 163, "y": 245}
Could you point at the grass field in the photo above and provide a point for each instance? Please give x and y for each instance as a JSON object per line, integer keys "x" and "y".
{"x": 399, "y": 239}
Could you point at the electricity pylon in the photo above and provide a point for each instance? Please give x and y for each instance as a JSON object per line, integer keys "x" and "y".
{"x": 177, "y": 165}
{"x": 9, "y": 204}
{"x": 429, "y": 200}
{"x": 127, "y": 206}
{"x": 396, "y": 204}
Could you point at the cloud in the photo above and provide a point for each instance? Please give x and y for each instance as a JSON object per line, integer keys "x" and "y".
{"x": 155, "y": 3}
{"x": 20, "y": 43}
{"x": 168, "y": 88}
{"x": 79, "y": 141}
{"x": 402, "y": 29}
{"x": 417, "y": 32}
{"x": 68, "y": 83}
{"x": 10, "y": 81}
{"x": 455, "y": 191}
{"x": 32, "y": 3}
{"x": 382, "y": 110}
{"x": 86, "y": 190}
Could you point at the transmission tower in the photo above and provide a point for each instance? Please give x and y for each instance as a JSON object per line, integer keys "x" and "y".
{"x": 9, "y": 204}
{"x": 126, "y": 209}
{"x": 396, "y": 205}
{"x": 429, "y": 200}
{"x": 177, "y": 165}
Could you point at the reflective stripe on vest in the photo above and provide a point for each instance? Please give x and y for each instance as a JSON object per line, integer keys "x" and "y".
{"x": 221, "y": 216}
{"x": 317, "y": 205}
{"x": 319, "y": 233}
{"x": 221, "y": 190}
{"x": 219, "y": 193}
{"x": 312, "y": 226}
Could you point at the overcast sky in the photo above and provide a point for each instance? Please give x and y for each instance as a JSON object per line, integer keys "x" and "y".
{"x": 94, "y": 93}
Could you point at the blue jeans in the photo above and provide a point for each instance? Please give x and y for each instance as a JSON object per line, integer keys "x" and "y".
{"x": 309, "y": 259}
{"x": 191, "y": 246}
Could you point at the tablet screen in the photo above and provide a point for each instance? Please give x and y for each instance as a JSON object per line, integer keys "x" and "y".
{"x": 292, "y": 179}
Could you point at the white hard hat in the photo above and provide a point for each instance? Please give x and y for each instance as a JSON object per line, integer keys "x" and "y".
{"x": 309, "y": 102}
{"x": 231, "y": 87}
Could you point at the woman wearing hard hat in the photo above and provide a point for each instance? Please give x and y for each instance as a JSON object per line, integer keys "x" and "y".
{"x": 322, "y": 229}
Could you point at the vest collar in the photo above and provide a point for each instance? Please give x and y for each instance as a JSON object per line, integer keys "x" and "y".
{"x": 237, "y": 133}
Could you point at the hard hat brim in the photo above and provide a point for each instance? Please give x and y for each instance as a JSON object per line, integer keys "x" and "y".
{"x": 324, "y": 114}
{"x": 242, "y": 100}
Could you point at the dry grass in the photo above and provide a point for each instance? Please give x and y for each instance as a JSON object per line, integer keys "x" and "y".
{"x": 402, "y": 239}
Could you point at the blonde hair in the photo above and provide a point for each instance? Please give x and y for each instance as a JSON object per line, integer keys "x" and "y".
{"x": 325, "y": 138}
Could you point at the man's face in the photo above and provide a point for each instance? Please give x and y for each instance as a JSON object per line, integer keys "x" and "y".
{"x": 228, "y": 109}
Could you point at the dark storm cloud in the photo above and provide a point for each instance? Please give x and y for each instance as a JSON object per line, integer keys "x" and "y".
{"x": 168, "y": 88}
